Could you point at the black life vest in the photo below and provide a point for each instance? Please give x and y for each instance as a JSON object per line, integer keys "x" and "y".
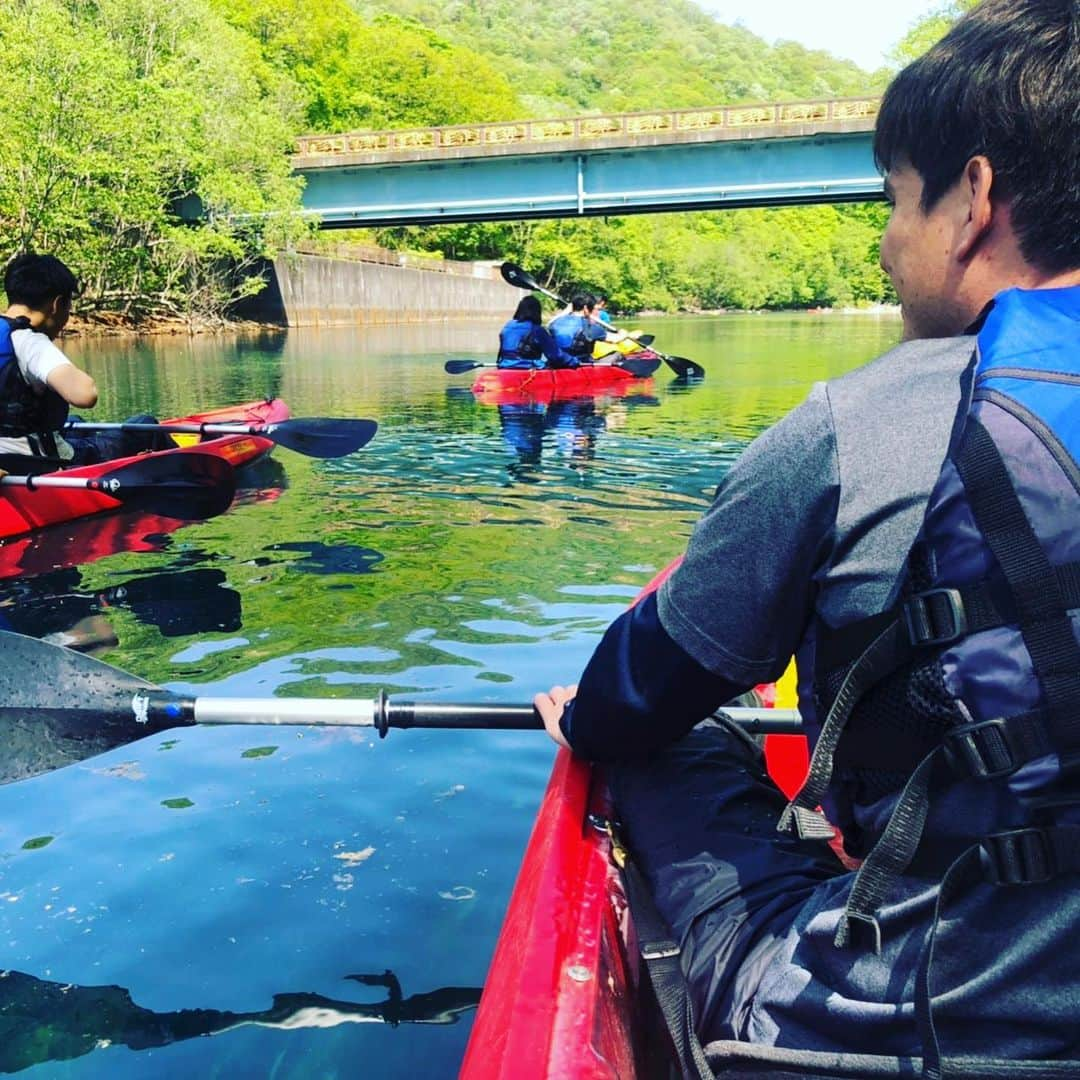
{"x": 24, "y": 413}
{"x": 950, "y": 738}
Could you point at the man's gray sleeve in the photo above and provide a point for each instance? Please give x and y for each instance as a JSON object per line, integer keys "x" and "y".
{"x": 741, "y": 600}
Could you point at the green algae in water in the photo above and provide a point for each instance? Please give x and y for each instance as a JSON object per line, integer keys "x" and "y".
{"x": 259, "y": 751}
{"x": 37, "y": 843}
{"x": 177, "y": 804}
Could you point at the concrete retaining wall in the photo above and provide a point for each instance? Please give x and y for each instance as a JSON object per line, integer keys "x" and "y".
{"x": 312, "y": 290}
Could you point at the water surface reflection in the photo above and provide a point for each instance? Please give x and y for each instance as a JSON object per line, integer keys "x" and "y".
{"x": 469, "y": 553}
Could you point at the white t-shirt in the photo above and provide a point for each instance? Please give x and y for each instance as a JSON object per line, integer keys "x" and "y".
{"x": 37, "y": 356}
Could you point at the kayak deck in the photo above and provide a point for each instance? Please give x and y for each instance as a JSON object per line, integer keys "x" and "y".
{"x": 562, "y": 997}
{"x": 23, "y": 511}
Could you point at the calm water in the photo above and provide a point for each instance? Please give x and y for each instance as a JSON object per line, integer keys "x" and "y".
{"x": 299, "y": 900}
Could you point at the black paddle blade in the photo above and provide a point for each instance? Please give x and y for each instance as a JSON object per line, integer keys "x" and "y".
{"x": 321, "y": 437}
{"x": 59, "y": 707}
{"x": 520, "y": 279}
{"x": 459, "y": 367}
{"x": 645, "y": 339}
{"x": 188, "y": 486}
{"x": 514, "y": 275}
{"x": 640, "y": 368}
{"x": 685, "y": 369}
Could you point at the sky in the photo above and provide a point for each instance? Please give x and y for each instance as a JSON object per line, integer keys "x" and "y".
{"x": 859, "y": 30}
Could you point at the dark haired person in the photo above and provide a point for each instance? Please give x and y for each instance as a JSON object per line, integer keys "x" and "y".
{"x": 980, "y": 144}
{"x": 575, "y": 331}
{"x": 523, "y": 341}
{"x": 38, "y": 382}
{"x": 600, "y": 311}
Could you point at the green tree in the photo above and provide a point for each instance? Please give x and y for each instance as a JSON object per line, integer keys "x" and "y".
{"x": 117, "y": 113}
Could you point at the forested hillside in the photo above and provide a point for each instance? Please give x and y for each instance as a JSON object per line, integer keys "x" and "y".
{"x": 121, "y": 117}
{"x": 568, "y": 56}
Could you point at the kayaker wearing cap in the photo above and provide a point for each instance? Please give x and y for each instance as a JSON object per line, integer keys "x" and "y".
{"x": 38, "y": 382}
{"x": 523, "y": 341}
{"x": 809, "y": 533}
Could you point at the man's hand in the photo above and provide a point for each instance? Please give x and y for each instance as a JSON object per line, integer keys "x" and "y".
{"x": 550, "y": 707}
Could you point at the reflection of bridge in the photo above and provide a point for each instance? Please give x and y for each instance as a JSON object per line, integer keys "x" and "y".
{"x": 740, "y": 155}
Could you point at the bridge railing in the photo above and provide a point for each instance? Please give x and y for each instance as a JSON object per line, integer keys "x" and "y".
{"x": 536, "y": 134}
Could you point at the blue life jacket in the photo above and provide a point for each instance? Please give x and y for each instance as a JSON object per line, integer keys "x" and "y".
{"x": 948, "y": 727}
{"x": 22, "y": 411}
{"x": 519, "y": 345}
{"x": 575, "y": 334}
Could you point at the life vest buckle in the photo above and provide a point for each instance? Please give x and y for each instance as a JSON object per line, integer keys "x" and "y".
{"x": 1018, "y": 857}
{"x": 935, "y": 617}
{"x": 983, "y": 750}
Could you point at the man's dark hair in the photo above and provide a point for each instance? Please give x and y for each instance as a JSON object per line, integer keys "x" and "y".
{"x": 528, "y": 310}
{"x": 36, "y": 280}
{"x": 1003, "y": 82}
{"x": 579, "y": 301}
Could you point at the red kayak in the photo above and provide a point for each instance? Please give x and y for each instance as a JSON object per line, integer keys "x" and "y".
{"x": 561, "y": 997}
{"x": 23, "y": 511}
{"x": 503, "y": 386}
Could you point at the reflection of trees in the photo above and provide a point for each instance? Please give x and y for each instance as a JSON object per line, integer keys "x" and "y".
{"x": 178, "y": 602}
{"x": 47, "y": 1021}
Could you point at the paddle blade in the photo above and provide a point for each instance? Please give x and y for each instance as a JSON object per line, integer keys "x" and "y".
{"x": 685, "y": 369}
{"x": 188, "y": 486}
{"x": 520, "y": 279}
{"x": 58, "y": 707}
{"x": 322, "y": 437}
{"x": 645, "y": 339}
{"x": 459, "y": 367}
{"x": 514, "y": 275}
{"x": 640, "y": 368}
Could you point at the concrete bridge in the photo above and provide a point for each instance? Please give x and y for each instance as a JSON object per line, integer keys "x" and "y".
{"x": 784, "y": 153}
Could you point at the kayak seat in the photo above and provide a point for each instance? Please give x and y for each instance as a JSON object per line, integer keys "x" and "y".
{"x": 743, "y": 1061}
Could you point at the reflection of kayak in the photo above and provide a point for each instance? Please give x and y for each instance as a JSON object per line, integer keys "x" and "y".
{"x": 85, "y": 540}
{"x": 23, "y": 511}
{"x": 503, "y": 385}
{"x": 563, "y": 994}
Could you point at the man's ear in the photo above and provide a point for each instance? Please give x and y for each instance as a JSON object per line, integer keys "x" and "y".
{"x": 977, "y": 184}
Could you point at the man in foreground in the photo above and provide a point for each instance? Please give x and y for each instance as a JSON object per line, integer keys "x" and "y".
{"x": 808, "y": 535}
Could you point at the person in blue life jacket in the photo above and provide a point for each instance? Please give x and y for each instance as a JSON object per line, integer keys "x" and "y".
{"x": 38, "y": 382}
{"x": 941, "y": 599}
{"x": 600, "y": 311}
{"x": 523, "y": 341}
{"x": 576, "y": 331}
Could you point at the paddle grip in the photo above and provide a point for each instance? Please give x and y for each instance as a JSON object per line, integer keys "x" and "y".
{"x": 425, "y": 714}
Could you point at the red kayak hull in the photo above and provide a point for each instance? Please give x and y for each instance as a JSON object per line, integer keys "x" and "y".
{"x": 505, "y": 386}
{"x": 23, "y": 511}
{"x": 561, "y": 998}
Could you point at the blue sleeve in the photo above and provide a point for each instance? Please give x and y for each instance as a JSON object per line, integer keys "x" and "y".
{"x": 547, "y": 343}
{"x": 640, "y": 691}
